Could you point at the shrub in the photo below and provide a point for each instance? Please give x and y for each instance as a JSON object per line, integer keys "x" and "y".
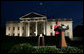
{"x": 72, "y": 50}
{"x": 27, "y": 48}
{"x": 48, "y": 50}
{"x": 22, "y": 48}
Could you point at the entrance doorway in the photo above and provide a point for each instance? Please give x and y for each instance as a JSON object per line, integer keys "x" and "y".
{"x": 40, "y": 28}
{"x": 32, "y": 28}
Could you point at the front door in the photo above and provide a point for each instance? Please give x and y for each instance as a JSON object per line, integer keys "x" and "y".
{"x": 32, "y": 28}
{"x": 40, "y": 28}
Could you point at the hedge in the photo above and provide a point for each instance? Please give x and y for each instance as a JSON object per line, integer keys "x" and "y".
{"x": 27, "y": 48}
{"x": 22, "y": 48}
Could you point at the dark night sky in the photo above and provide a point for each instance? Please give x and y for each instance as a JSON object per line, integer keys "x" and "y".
{"x": 11, "y": 11}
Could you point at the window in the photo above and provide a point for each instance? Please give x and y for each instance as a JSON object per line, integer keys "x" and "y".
{"x": 51, "y": 26}
{"x": 36, "y": 19}
{"x": 23, "y": 28}
{"x": 40, "y": 19}
{"x": 9, "y": 28}
{"x": 18, "y": 28}
{"x": 18, "y": 34}
{"x": 31, "y": 19}
{"x": 44, "y": 19}
{"x": 22, "y": 33}
{"x": 67, "y": 26}
{"x": 51, "y": 34}
{"x": 13, "y": 34}
{"x": 9, "y": 34}
{"x": 67, "y": 33}
{"x": 28, "y": 19}
{"x": 13, "y": 28}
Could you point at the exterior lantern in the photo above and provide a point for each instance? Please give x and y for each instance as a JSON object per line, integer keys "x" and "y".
{"x": 40, "y": 40}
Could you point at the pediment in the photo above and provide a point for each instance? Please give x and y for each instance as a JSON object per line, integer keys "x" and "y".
{"x": 32, "y": 15}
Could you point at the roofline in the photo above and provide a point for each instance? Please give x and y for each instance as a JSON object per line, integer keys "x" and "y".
{"x": 61, "y": 19}
{"x": 32, "y": 12}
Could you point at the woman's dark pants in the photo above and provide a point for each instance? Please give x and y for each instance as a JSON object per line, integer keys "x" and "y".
{"x": 58, "y": 40}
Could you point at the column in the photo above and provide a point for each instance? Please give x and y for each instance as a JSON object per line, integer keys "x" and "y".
{"x": 20, "y": 28}
{"x": 36, "y": 28}
{"x": 28, "y": 28}
{"x": 44, "y": 27}
{"x": 41, "y": 41}
{"x": 24, "y": 30}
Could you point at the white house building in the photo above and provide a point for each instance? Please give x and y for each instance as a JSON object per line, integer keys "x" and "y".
{"x": 33, "y": 24}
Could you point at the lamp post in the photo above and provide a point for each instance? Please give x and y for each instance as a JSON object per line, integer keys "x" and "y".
{"x": 40, "y": 41}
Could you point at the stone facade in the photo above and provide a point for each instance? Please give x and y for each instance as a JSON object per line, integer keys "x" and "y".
{"x": 33, "y": 24}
